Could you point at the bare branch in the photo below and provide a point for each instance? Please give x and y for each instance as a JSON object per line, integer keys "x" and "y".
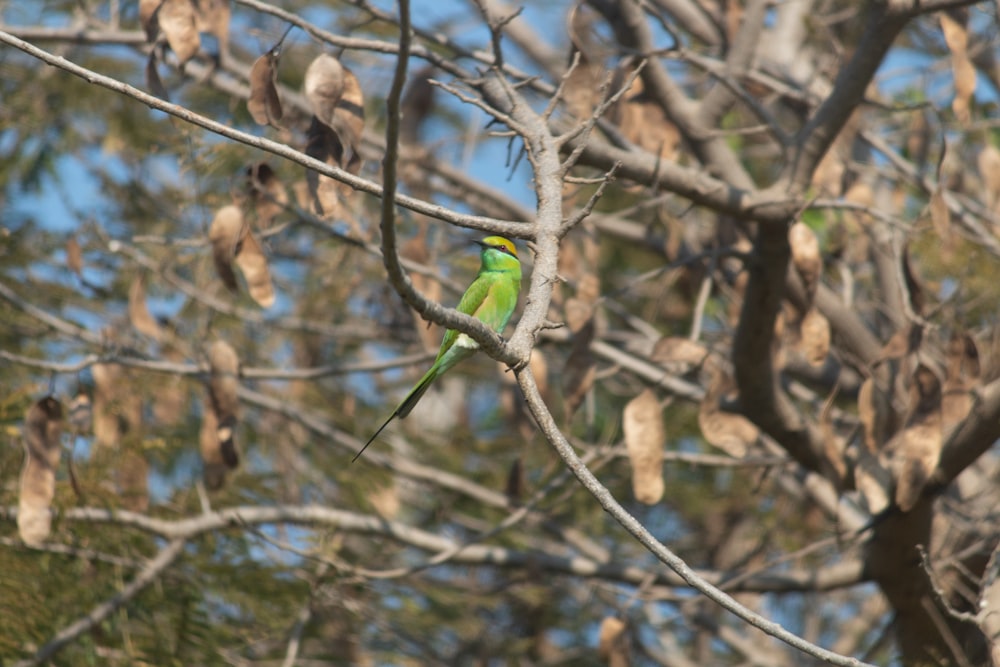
{"x": 658, "y": 549}
{"x": 634, "y": 32}
{"x": 511, "y": 229}
{"x": 249, "y": 517}
{"x": 149, "y": 574}
{"x": 882, "y": 23}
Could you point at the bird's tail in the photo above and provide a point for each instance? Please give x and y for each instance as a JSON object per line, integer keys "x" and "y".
{"x": 416, "y": 393}
{"x": 403, "y": 408}
{"x": 372, "y": 439}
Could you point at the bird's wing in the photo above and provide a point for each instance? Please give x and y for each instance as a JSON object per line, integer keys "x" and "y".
{"x": 491, "y": 300}
{"x": 469, "y": 304}
{"x": 477, "y": 293}
{"x": 497, "y": 306}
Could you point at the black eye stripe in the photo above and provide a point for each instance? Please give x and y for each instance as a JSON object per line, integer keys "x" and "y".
{"x": 502, "y": 247}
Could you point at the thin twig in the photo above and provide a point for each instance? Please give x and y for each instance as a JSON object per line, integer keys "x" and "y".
{"x": 195, "y": 370}
{"x": 302, "y": 621}
{"x": 704, "y": 291}
{"x": 249, "y": 516}
{"x": 60, "y": 325}
{"x": 548, "y": 425}
{"x": 493, "y": 225}
{"x": 150, "y": 573}
{"x": 581, "y": 133}
{"x": 581, "y": 214}
{"x": 500, "y": 116}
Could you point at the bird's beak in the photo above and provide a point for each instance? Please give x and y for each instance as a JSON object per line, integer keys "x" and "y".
{"x": 481, "y": 244}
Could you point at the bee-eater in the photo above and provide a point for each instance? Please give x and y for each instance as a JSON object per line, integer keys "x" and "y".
{"x": 490, "y": 299}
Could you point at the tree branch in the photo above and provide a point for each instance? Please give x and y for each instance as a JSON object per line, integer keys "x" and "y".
{"x": 149, "y": 574}
{"x": 761, "y": 397}
{"x": 633, "y": 31}
{"x": 551, "y": 430}
{"x": 973, "y": 437}
{"x": 882, "y": 25}
{"x": 183, "y": 530}
{"x": 492, "y": 225}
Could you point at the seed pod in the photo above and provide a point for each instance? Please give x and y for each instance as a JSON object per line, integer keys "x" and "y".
{"x": 43, "y": 426}
{"x": 806, "y": 257}
{"x": 642, "y": 421}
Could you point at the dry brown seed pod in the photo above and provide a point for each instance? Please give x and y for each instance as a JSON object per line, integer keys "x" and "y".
{"x": 43, "y": 426}
{"x": 645, "y": 436}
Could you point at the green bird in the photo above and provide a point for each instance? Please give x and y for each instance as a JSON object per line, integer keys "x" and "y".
{"x": 490, "y": 299}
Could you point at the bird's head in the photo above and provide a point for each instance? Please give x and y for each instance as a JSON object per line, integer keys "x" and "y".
{"x": 500, "y": 244}
{"x": 498, "y": 253}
